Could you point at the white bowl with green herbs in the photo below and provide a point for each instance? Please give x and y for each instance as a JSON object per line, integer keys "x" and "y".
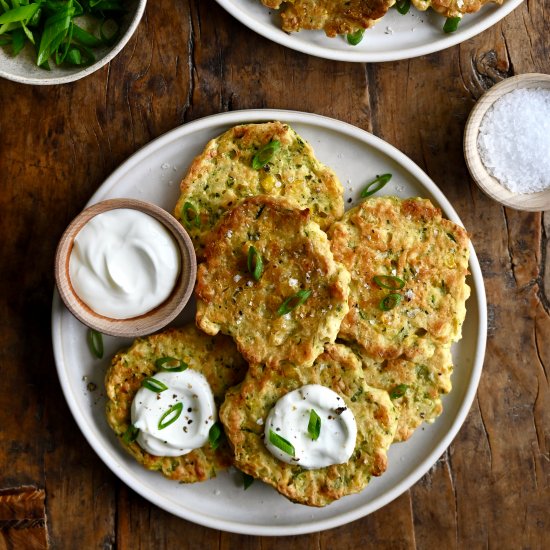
{"x": 58, "y": 41}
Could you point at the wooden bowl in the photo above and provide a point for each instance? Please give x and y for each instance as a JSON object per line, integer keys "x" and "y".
{"x": 491, "y": 186}
{"x": 152, "y": 320}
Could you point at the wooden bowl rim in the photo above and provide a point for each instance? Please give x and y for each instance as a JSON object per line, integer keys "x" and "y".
{"x": 533, "y": 202}
{"x": 154, "y": 319}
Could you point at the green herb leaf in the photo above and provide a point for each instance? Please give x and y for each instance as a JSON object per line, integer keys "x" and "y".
{"x": 170, "y": 416}
{"x": 398, "y": 391}
{"x": 281, "y": 443}
{"x": 375, "y": 185}
{"x": 403, "y": 6}
{"x": 95, "y": 343}
{"x": 215, "y": 435}
{"x": 314, "y": 425}
{"x": 389, "y": 281}
{"x": 265, "y": 154}
{"x": 22, "y": 13}
{"x": 292, "y": 302}
{"x": 389, "y": 302}
{"x": 171, "y": 364}
{"x": 154, "y": 385}
{"x": 451, "y": 24}
{"x": 255, "y": 263}
{"x": 130, "y": 435}
{"x": 354, "y": 38}
{"x": 248, "y": 480}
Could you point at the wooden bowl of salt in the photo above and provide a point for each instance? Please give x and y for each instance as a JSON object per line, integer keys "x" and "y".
{"x": 507, "y": 142}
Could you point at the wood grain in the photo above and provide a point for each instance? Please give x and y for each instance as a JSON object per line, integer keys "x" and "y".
{"x": 190, "y": 59}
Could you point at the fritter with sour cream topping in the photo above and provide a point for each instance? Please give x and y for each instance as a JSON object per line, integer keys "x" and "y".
{"x": 408, "y": 267}
{"x": 270, "y": 281}
{"x": 254, "y": 159}
{"x": 215, "y": 357}
{"x": 247, "y": 406}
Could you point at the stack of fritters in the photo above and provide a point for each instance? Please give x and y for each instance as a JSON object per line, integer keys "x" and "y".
{"x": 284, "y": 291}
{"x": 349, "y": 16}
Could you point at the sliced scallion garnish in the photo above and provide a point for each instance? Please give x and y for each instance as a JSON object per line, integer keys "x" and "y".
{"x": 189, "y": 215}
{"x": 215, "y": 435}
{"x": 265, "y": 154}
{"x": 254, "y": 263}
{"x": 354, "y": 38}
{"x": 95, "y": 343}
{"x": 398, "y": 391}
{"x": 375, "y": 185}
{"x": 170, "y": 416}
{"x": 403, "y": 6}
{"x": 248, "y": 480}
{"x": 389, "y": 281}
{"x": 281, "y": 443}
{"x": 171, "y": 364}
{"x": 292, "y": 302}
{"x": 154, "y": 385}
{"x": 389, "y": 302}
{"x": 130, "y": 435}
{"x": 314, "y": 425}
{"x": 451, "y": 24}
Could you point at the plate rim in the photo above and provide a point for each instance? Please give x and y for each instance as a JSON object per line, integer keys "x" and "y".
{"x": 246, "y": 116}
{"x": 357, "y": 56}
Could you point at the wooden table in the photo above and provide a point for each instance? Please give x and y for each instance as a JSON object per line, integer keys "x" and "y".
{"x": 189, "y": 59}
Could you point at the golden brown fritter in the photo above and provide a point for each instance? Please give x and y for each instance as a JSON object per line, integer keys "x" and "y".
{"x": 247, "y": 406}
{"x": 225, "y": 172}
{"x": 407, "y": 239}
{"x": 453, "y": 8}
{"x": 296, "y": 305}
{"x": 332, "y": 16}
{"x": 216, "y": 358}
{"x": 414, "y": 387}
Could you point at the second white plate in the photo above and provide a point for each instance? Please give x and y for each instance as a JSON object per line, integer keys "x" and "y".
{"x": 153, "y": 174}
{"x": 394, "y": 37}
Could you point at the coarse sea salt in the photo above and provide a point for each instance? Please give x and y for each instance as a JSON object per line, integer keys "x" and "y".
{"x": 514, "y": 140}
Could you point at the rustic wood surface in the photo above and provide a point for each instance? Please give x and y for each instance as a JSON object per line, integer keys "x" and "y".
{"x": 189, "y": 59}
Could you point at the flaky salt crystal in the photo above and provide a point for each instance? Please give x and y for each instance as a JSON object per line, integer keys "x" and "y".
{"x": 514, "y": 140}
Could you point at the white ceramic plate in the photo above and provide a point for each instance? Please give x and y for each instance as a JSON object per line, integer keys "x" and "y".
{"x": 153, "y": 174}
{"x": 394, "y": 37}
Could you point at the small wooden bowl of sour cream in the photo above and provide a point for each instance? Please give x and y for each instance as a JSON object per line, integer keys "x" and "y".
{"x": 125, "y": 267}
{"x": 507, "y": 142}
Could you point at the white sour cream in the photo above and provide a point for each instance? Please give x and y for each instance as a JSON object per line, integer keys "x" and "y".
{"x": 124, "y": 263}
{"x": 289, "y": 419}
{"x": 190, "y": 430}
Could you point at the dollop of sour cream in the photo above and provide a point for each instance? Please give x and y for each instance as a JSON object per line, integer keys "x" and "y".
{"x": 190, "y": 429}
{"x": 289, "y": 419}
{"x": 124, "y": 263}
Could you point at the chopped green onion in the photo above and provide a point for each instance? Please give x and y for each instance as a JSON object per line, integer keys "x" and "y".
{"x": 375, "y": 185}
{"x": 403, "y": 6}
{"x": 281, "y": 443}
{"x": 154, "y": 385}
{"x": 190, "y": 215}
{"x": 451, "y": 24}
{"x": 398, "y": 391}
{"x": 255, "y": 263}
{"x": 354, "y": 38}
{"x": 19, "y": 14}
{"x": 130, "y": 435}
{"x": 389, "y": 281}
{"x": 248, "y": 480}
{"x": 389, "y": 302}
{"x": 171, "y": 364}
{"x": 215, "y": 435}
{"x": 314, "y": 425}
{"x": 172, "y": 414}
{"x": 451, "y": 236}
{"x": 265, "y": 154}
{"x": 292, "y": 302}
{"x": 95, "y": 343}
